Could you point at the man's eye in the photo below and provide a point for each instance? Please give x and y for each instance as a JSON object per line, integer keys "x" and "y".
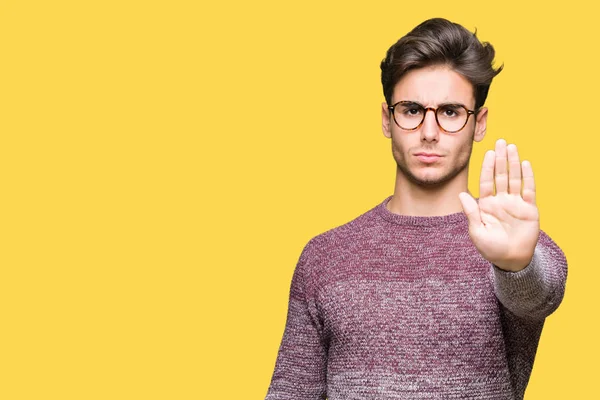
{"x": 412, "y": 111}
{"x": 449, "y": 113}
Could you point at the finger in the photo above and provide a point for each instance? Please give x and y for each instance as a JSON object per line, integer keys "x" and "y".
{"x": 514, "y": 170}
{"x": 501, "y": 176}
{"x": 471, "y": 209}
{"x": 486, "y": 180}
{"x": 528, "y": 183}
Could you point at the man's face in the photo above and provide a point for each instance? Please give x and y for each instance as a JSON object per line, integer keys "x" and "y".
{"x": 430, "y": 87}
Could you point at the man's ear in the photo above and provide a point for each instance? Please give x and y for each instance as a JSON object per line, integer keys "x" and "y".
{"x": 385, "y": 120}
{"x": 480, "y": 124}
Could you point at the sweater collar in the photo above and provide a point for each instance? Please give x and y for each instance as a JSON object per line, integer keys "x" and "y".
{"x": 409, "y": 220}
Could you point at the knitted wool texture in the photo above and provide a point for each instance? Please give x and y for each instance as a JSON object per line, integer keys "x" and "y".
{"x": 389, "y": 306}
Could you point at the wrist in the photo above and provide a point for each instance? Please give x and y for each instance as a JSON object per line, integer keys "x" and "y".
{"x": 513, "y": 266}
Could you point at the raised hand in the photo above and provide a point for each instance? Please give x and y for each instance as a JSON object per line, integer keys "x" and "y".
{"x": 504, "y": 226}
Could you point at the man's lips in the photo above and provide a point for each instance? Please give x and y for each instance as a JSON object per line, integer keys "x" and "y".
{"x": 428, "y": 157}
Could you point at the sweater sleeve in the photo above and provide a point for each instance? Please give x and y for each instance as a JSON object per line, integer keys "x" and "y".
{"x": 300, "y": 367}
{"x": 538, "y": 289}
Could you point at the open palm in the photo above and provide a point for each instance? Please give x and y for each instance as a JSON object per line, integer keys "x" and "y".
{"x": 504, "y": 226}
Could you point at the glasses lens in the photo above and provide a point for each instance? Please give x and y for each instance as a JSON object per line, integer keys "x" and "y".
{"x": 452, "y": 117}
{"x": 408, "y": 115}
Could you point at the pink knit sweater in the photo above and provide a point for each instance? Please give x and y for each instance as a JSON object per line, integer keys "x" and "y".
{"x": 390, "y": 306}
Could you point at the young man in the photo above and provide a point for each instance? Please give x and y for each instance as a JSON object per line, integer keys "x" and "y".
{"x": 431, "y": 293}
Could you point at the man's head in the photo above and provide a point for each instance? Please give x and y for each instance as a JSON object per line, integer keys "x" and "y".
{"x": 438, "y": 41}
{"x": 442, "y": 65}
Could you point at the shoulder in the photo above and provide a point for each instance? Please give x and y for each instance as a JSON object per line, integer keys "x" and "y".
{"x": 343, "y": 236}
{"x": 325, "y": 256}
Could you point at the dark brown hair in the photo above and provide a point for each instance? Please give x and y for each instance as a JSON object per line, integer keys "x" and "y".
{"x": 438, "y": 41}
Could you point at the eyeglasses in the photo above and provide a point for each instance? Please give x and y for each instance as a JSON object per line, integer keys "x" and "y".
{"x": 410, "y": 115}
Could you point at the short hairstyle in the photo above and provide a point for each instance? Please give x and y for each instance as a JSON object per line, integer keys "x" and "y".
{"x": 438, "y": 41}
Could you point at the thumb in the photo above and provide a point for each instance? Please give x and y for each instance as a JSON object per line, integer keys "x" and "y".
{"x": 471, "y": 209}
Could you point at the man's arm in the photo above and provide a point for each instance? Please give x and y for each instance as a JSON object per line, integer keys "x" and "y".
{"x": 529, "y": 270}
{"x": 538, "y": 289}
{"x": 301, "y": 365}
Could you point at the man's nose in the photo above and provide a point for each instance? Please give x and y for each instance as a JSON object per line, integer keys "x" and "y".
{"x": 429, "y": 129}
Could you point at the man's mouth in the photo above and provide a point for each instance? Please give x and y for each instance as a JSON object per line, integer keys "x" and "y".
{"x": 428, "y": 157}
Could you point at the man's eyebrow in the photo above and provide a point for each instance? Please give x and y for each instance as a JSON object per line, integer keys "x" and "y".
{"x": 450, "y": 103}
{"x": 444, "y": 104}
{"x": 412, "y": 103}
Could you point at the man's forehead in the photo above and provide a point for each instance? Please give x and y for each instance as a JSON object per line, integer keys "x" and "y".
{"x": 434, "y": 85}
{"x": 424, "y": 100}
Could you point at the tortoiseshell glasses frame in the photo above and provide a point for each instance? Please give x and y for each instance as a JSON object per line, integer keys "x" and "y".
{"x": 435, "y": 112}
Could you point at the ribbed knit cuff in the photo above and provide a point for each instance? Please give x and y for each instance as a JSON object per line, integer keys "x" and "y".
{"x": 521, "y": 291}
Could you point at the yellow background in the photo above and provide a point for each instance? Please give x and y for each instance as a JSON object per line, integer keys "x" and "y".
{"x": 162, "y": 165}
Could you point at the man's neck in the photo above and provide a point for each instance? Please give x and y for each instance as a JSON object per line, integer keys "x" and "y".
{"x": 412, "y": 199}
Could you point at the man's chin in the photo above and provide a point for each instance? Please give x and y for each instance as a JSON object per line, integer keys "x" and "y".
{"x": 429, "y": 180}
{"x": 431, "y": 183}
